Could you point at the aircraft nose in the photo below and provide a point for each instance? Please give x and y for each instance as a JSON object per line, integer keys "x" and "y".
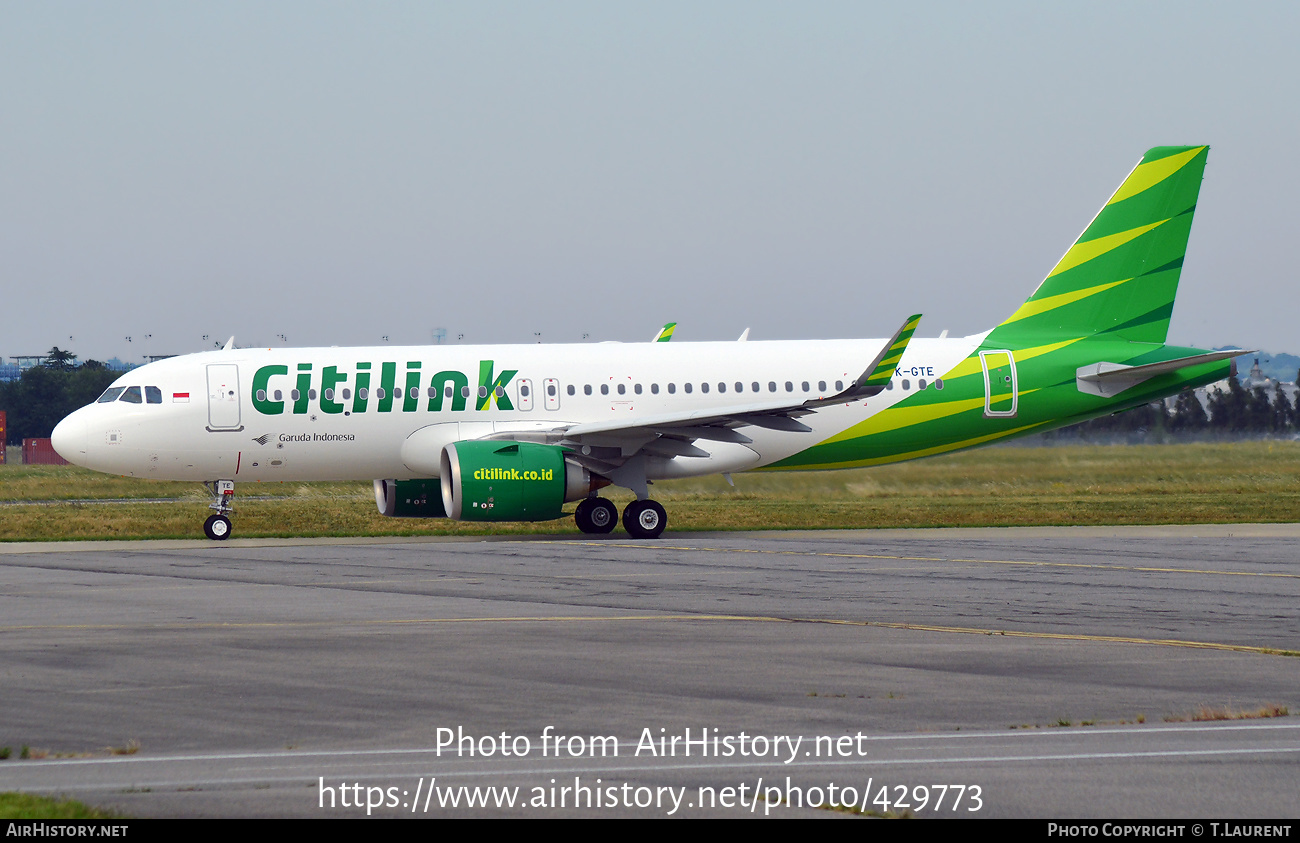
{"x": 69, "y": 438}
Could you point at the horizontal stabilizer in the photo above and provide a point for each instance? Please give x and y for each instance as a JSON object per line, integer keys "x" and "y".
{"x": 1109, "y": 379}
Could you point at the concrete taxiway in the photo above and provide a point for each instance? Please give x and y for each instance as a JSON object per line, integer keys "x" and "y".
{"x": 269, "y": 677}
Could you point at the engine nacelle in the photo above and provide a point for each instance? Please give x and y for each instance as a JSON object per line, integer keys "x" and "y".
{"x": 409, "y": 498}
{"x": 486, "y": 480}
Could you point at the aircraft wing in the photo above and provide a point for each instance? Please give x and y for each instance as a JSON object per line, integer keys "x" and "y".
{"x": 607, "y": 444}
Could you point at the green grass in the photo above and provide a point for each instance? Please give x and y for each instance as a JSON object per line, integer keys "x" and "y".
{"x": 24, "y": 806}
{"x": 1003, "y": 486}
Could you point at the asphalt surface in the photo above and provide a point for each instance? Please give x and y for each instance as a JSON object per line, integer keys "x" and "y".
{"x": 1032, "y": 672}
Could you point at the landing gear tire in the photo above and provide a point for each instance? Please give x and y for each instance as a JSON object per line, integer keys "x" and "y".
{"x": 217, "y": 527}
{"x": 596, "y": 515}
{"x": 644, "y": 519}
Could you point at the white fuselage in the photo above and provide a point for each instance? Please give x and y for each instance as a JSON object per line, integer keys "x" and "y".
{"x": 256, "y": 415}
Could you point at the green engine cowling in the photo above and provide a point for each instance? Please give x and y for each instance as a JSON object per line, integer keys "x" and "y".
{"x": 409, "y": 498}
{"x": 510, "y": 481}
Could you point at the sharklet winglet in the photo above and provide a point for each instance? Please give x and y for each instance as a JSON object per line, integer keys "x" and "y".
{"x": 876, "y": 376}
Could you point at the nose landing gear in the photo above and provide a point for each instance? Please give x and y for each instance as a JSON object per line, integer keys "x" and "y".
{"x": 217, "y": 527}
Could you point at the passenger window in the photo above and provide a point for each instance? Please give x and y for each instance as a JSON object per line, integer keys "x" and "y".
{"x": 740, "y": 387}
{"x": 621, "y": 389}
{"x": 906, "y": 384}
{"x": 586, "y": 389}
{"x": 311, "y": 394}
{"x": 132, "y": 395}
{"x": 637, "y": 389}
{"x": 755, "y": 386}
{"x": 362, "y": 394}
{"x": 379, "y": 393}
{"x": 347, "y": 393}
{"x": 153, "y": 395}
{"x": 604, "y": 389}
{"x": 523, "y": 390}
{"x": 789, "y": 387}
{"x": 704, "y": 387}
{"x": 687, "y": 387}
{"x": 889, "y": 386}
{"x": 654, "y": 389}
{"x": 920, "y": 384}
{"x": 550, "y": 389}
{"x": 293, "y": 394}
{"x": 771, "y": 386}
{"x": 572, "y": 391}
{"x": 111, "y": 394}
{"x": 261, "y": 395}
{"x": 329, "y": 395}
{"x": 839, "y": 386}
{"x": 672, "y": 389}
{"x": 938, "y": 383}
{"x": 821, "y": 386}
{"x": 805, "y": 386}
{"x": 464, "y": 391}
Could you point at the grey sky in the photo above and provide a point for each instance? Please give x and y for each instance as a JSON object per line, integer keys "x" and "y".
{"x": 337, "y": 172}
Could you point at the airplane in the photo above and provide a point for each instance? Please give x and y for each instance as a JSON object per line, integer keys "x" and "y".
{"x": 514, "y": 432}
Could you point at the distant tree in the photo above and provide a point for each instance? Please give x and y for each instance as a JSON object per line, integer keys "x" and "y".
{"x": 1188, "y": 416}
{"x": 41, "y": 398}
{"x": 63, "y": 361}
{"x": 1259, "y": 412}
{"x": 1283, "y": 413}
{"x": 1216, "y": 401}
{"x": 1228, "y": 411}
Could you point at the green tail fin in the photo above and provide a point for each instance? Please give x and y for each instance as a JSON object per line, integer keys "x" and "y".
{"x": 1121, "y": 276}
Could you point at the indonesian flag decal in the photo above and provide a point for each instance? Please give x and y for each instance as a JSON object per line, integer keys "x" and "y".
{"x": 180, "y": 398}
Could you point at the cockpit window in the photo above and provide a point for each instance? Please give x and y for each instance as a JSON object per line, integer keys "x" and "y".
{"x": 153, "y": 395}
{"x": 132, "y": 395}
{"x": 110, "y": 394}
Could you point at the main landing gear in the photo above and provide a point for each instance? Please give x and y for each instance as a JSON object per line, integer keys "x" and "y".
{"x": 596, "y": 515}
{"x": 217, "y": 527}
{"x": 643, "y": 519}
